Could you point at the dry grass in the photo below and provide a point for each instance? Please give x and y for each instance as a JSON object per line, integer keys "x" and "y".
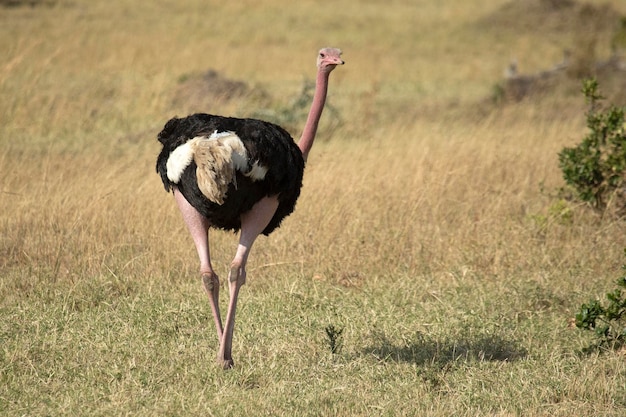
{"x": 427, "y": 229}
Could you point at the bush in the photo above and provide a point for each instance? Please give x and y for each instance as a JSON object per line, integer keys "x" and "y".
{"x": 596, "y": 168}
{"x": 607, "y": 321}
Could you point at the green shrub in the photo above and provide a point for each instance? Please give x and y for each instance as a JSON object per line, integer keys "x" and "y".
{"x": 596, "y": 167}
{"x": 607, "y": 321}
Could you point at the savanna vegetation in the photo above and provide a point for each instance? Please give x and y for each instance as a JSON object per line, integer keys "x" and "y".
{"x": 434, "y": 265}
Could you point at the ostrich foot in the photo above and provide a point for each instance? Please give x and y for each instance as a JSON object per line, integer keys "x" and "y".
{"x": 225, "y": 364}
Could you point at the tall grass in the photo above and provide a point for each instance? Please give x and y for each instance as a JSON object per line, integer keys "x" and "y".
{"x": 428, "y": 229}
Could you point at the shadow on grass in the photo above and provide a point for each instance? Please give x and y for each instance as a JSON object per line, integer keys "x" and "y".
{"x": 422, "y": 350}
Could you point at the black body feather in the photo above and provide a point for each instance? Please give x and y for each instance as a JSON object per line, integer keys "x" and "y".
{"x": 267, "y": 143}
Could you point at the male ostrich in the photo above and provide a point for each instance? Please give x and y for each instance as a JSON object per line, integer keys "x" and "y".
{"x": 236, "y": 174}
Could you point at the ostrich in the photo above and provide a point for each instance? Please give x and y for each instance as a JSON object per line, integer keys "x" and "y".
{"x": 236, "y": 174}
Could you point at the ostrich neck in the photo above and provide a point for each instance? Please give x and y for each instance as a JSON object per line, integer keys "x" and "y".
{"x": 310, "y": 128}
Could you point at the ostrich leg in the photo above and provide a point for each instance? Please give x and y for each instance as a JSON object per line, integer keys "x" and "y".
{"x": 252, "y": 224}
{"x": 198, "y": 226}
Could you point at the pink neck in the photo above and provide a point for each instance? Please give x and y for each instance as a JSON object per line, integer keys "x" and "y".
{"x": 319, "y": 99}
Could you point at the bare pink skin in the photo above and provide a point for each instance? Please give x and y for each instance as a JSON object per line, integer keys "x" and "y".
{"x": 253, "y": 222}
{"x": 327, "y": 60}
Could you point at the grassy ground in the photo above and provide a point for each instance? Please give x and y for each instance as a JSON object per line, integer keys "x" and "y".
{"x": 428, "y": 229}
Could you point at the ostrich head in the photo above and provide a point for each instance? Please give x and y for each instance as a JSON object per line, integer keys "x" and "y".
{"x": 328, "y": 59}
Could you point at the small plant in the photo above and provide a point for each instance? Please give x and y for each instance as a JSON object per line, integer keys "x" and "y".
{"x": 559, "y": 212}
{"x": 334, "y": 338}
{"x": 608, "y": 322}
{"x": 596, "y": 167}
